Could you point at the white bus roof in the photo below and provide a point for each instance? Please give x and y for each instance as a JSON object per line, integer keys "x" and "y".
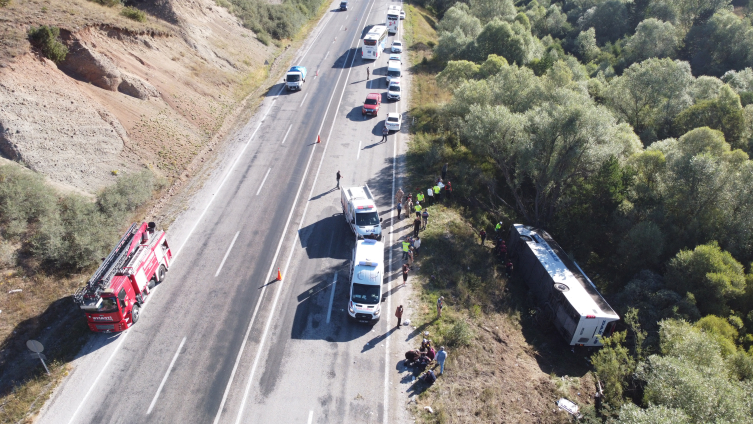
{"x": 376, "y": 29}
{"x": 393, "y": 6}
{"x": 582, "y": 294}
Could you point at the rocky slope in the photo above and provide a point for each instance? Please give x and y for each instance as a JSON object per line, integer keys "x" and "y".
{"x": 128, "y": 94}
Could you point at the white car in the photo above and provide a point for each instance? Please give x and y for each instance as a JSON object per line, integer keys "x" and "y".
{"x": 397, "y": 46}
{"x": 393, "y": 91}
{"x": 393, "y": 122}
{"x": 396, "y": 57}
{"x": 402, "y": 14}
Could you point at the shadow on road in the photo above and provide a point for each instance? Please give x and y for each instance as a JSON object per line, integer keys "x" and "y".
{"x": 378, "y": 339}
{"x": 326, "y": 238}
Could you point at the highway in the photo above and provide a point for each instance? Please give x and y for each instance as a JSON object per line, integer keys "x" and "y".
{"x": 221, "y": 341}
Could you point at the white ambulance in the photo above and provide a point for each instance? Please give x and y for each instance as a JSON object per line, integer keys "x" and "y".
{"x": 360, "y": 212}
{"x": 366, "y": 275}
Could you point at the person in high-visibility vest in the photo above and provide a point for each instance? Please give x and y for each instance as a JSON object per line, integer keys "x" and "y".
{"x": 437, "y": 193}
{"x": 418, "y": 207}
{"x": 406, "y": 247}
{"x": 420, "y": 197}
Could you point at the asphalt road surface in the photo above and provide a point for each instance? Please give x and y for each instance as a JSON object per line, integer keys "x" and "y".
{"x": 221, "y": 341}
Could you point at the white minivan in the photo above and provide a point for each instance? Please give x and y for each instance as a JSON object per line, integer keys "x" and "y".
{"x": 366, "y": 274}
{"x": 393, "y": 70}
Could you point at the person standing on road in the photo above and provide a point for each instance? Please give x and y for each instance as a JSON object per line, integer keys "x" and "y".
{"x": 385, "y": 132}
{"x": 367, "y": 73}
{"x": 405, "y": 274}
{"x": 482, "y": 234}
{"x": 417, "y": 208}
{"x": 399, "y": 195}
{"x": 408, "y": 206}
{"x": 406, "y": 246}
{"x": 440, "y": 305}
{"x": 416, "y": 245}
{"x": 424, "y": 218}
{"x": 416, "y": 225}
{"x": 410, "y": 257}
{"x": 399, "y": 209}
{"x": 444, "y": 172}
{"x": 399, "y": 315}
{"x": 441, "y": 358}
{"x": 338, "y": 180}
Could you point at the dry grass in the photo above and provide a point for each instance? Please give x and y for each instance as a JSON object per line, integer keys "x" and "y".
{"x": 509, "y": 371}
{"x": 70, "y": 15}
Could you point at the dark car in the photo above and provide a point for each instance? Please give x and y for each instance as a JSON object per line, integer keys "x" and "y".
{"x": 343, "y": 5}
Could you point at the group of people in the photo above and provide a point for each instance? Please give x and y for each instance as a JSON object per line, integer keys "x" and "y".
{"x": 424, "y": 356}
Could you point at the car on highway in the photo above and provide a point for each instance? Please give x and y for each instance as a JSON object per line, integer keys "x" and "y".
{"x": 397, "y": 46}
{"x": 396, "y": 57}
{"x": 402, "y": 15}
{"x": 393, "y": 122}
{"x": 394, "y": 91}
{"x": 371, "y": 105}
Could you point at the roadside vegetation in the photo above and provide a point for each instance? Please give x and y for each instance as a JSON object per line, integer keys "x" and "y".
{"x": 625, "y": 130}
{"x": 49, "y": 244}
{"x": 268, "y": 20}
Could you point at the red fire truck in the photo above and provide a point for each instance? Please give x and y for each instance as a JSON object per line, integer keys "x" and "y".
{"x": 113, "y": 297}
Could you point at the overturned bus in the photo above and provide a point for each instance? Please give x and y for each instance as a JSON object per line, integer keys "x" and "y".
{"x": 563, "y": 292}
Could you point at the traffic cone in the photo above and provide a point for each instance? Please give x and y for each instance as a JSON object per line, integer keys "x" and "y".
{"x": 318, "y": 139}
{"x": 279, "y": 275}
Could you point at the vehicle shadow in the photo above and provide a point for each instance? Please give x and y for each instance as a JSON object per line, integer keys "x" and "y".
{"x": 355, "y": 114}
{"x": 324, "y": 238}
{"x": 313, "y": 305}
{"x": 345, "y": 60}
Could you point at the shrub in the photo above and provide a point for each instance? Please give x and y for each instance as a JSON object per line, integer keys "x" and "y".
{"x": 108, "y": 3}
{"x": 46, "y": 39}
{"x": 4, "y": 3}
{"x": 131, "y": 12}
{"x": 459, "y": 334}
{"x": 264, "y": 38}
{"x": 24, "y": 198}
{"x": 119, "y": 201}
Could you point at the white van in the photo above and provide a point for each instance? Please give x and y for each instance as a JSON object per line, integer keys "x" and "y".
{"x": 366, "y": 274}
{"x": 393, "y": 70}
{"x": 360, "y": 212}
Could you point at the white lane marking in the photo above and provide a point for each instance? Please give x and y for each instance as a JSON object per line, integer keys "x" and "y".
{"x": 304, "y": 99}
{"x": 331, "y": 298}
{"x": 359, "y": 150}
{"x": 226, "y": 254}
{"x": 167, "y": 374}
{"x": 321, "y": 30}
{"x": 311, "y": 417}
{"x": 286, "y": 134}
{"x": 295, "y": 236}
{"x": 263, "y": 181}
{"x": 341, "y": 28}
{"x": 326, "y": 56}
{"x": 230, "y": 171}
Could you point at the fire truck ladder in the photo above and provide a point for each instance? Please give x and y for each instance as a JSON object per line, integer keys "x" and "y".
{"x": 110, "y": 266}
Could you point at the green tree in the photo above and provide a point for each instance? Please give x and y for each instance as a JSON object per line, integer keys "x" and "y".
{"x": 513, "y": 41}
{"x": 457, "y": 72}
{"x": 47, "y": 39}
{"x": 652, "y": 38}
{"x": 610, "y": 19}
{"x": 692, "y": 377}
{"x": 724, "y": 113}
{"x": 721, "y": 330}
{"x": 724, "y": 42}
{"x": 631, "y": 414}
{"x": 650, "y": 94}
{"x": 710, "y": 274}
{"x": 492, "y": 66}
{"x": 488, "y": 10}
{"x": 586, "y": 43}
{"x": 460, "y": 17}
{"x": 613, "y": 364}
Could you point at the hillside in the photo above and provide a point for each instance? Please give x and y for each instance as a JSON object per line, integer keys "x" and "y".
{"x": 129, "y": 94}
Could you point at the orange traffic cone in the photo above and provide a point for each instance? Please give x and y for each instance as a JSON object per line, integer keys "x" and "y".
{"x": 279, "y": 275}
{"x": 318, "y": 139}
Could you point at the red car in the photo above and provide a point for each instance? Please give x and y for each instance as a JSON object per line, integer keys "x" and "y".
{"x": 372, "y": 103}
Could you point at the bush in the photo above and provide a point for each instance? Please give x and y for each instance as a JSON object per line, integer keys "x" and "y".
{"x": 119, "y": 201}
{"x": 131, "y": 12}
{"x": 24, "y": 199}
{"x": 46, "y": 39}
{"x": 4, "y": 3}
{"x": 263, "y": 38}
{"x": 459, "y": 334}
{"x": 108, "y": 3}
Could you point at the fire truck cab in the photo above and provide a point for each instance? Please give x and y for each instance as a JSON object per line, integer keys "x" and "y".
{"x": 113, "y": 297}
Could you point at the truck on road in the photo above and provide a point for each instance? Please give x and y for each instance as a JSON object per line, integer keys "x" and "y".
{"x": 366, "y": 274}
{"x": 295, "y": 77}
{"x": 113, "y": 296}
{"x": 360, "y": 212}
